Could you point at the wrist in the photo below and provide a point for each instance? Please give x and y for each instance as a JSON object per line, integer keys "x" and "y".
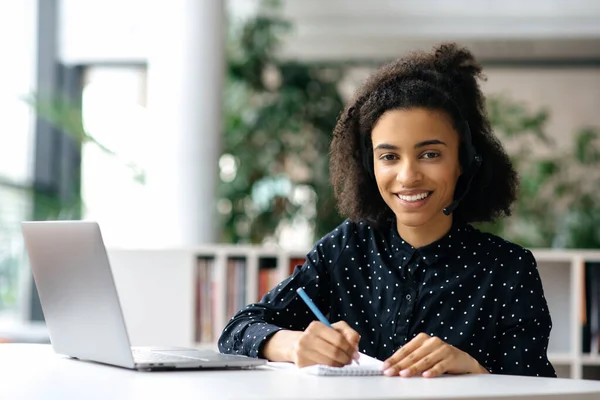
{"x": 280, "y": 346}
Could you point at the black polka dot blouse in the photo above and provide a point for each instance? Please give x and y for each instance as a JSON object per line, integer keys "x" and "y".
{"x": 471, "y": 289}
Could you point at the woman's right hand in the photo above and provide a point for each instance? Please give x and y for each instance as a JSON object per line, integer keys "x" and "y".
{"x": 319, "y": 344}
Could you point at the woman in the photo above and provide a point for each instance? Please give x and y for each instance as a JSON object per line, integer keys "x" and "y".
{"x": 409, "y": 280}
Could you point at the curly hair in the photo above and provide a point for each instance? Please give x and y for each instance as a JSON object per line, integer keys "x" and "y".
{"x": 444, "y": 79}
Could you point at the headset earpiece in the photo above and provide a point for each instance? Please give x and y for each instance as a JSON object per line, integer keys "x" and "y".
{"x": 367, "y": 155}
{"x": 470, "y": 167}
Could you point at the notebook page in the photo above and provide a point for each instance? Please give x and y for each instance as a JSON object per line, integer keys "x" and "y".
{"x": 369, "y": 361}
{"x": 368, "y": 366}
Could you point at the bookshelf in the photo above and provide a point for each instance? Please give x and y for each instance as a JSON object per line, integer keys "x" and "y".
{"x": 184, "y": 297}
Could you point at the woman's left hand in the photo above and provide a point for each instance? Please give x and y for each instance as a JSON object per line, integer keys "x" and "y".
{"x": 430, "y": 356}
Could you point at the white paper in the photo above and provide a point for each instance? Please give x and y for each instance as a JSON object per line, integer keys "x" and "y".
{"x": 369, "y": 361}
{"x": 368, "y": 366}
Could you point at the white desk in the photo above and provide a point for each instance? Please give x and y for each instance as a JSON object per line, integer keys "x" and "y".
{"x": 33, "y": 371}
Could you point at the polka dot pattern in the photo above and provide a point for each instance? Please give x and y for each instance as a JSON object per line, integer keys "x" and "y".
{"x": 471, "y": 289}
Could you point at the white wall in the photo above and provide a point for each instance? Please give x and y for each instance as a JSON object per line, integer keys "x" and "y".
{"x": 572, "y": 95}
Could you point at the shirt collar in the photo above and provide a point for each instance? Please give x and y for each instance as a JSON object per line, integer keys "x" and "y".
{"x": 442, "y": 248}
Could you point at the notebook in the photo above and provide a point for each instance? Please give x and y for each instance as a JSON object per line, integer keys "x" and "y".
{"x": 369, "y": 366}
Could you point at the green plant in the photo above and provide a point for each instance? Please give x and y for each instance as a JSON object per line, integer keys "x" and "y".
{"x": 279, "y": 116}
{"x": 558, "y": 204}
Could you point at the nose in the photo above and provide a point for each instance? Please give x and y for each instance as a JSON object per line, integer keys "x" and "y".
{"x": 409, "y": 173}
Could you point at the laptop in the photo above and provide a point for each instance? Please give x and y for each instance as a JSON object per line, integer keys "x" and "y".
{"x": 81, "y": 305}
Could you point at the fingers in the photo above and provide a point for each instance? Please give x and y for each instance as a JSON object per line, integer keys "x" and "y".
{"x": 406, "y": 350}
{"x": 430, "y": 356}
{"x": 322, "y": 352}
{"x": 338, "y": 337}
{"x": 423, "y": 353}
{"x": 434, "y": 363}
{"x": 351, "y": 335}
{"x": 437, "y": 370}
{"x": 320, "y": 344}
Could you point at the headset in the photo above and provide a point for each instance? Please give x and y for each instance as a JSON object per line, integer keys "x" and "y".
{"x": 471, "y": 163}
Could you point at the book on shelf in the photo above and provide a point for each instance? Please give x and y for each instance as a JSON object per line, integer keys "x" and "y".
{"x": 236, "y": 286}
{"x": 268, "y": 276}
{"x": 205, "y": 300}
{"x": 590, "y": 318}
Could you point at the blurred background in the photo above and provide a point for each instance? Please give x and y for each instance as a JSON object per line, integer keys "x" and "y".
{"x": 185, "y": 122}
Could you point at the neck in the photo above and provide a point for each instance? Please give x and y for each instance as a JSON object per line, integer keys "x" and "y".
{"x": 419, "y": 236}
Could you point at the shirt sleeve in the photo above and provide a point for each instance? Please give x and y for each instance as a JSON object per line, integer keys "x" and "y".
{"x": 525, "y": 323}
{"x": 282, "y": 308}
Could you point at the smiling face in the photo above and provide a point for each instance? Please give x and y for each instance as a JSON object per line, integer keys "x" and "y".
{"x": 415, "y": 158}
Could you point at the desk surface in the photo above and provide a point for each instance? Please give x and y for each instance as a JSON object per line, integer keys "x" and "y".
{"x": 33, "y": 371}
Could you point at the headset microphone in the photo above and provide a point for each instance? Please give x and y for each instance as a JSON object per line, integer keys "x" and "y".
{"x": 450, "y": 209}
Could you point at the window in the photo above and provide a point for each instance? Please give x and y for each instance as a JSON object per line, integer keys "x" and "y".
{"x": 17, "y": 80}
{"x": 112, "y": 176}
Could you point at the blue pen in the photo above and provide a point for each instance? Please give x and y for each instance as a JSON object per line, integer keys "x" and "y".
{"x": 314, "y": 309}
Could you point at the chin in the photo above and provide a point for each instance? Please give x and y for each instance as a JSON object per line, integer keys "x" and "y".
{"x": 413, "y": 221}
{"x": 419, "y": 218}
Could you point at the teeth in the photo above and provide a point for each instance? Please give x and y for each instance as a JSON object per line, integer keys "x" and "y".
{"x": 416, "y": 197}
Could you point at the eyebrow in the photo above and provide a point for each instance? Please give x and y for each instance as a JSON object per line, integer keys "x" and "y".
{"x": 387, "y": 146}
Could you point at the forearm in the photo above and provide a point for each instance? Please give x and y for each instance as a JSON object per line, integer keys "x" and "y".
{"x": 280, "y": 346}
{"x": 245, "y": 337}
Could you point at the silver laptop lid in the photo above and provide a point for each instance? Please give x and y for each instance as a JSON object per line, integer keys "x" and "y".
{"x": 77, "y": 291}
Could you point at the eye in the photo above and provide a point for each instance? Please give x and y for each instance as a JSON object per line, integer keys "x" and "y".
{"x": 388, "y": 157}
{"x": 430, "y": 154}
